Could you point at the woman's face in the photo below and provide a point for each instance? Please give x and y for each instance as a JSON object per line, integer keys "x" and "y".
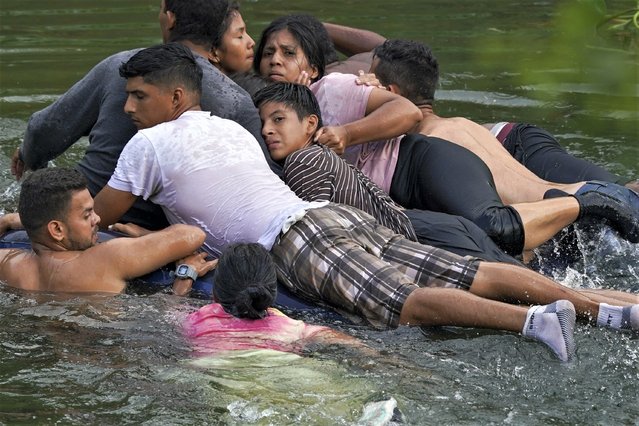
{"x": 236, "y": 51}
{"x": 283, "y": 58}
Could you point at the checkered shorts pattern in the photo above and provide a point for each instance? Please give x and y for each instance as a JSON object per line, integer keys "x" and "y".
{"x": 340, "y": 256}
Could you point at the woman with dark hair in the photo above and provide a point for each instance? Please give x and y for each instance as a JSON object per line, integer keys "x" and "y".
{"x": 243, "y": 319}
{"x": 245, "y": 281}
{"x": 366, "y": 125}
{"x": 290, "y": 51}
{"x": 232, "y": 49}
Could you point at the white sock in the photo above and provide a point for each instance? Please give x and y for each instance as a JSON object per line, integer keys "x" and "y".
{"x": 618, "y": 317}
{"x": 553, "y": 325}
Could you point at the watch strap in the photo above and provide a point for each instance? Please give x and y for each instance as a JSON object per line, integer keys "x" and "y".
{"x": 190, "y": 272}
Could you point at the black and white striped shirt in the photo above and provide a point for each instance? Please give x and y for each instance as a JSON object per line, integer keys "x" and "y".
{"x": 317, "y": 174}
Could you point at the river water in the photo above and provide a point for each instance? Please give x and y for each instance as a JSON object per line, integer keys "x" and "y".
{"x": 122, "y": 360}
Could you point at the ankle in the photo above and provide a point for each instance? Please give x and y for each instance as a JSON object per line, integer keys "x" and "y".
{"x": 618, "y": 317}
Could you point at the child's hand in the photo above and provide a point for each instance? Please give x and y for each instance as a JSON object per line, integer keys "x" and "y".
{"x": 336, "y": 138}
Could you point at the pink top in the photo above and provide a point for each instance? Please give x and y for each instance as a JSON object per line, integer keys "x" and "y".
{"x": 213, "y": 330}
{"x": 342, "y": 101}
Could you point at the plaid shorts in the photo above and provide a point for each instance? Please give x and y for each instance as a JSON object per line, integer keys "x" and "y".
{"x": 340, "y": 256}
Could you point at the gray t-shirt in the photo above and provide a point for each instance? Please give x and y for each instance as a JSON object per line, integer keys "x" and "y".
{"x": 94, "y": 107}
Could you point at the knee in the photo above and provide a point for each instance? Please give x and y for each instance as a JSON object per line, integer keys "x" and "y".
{"x": 504, "y": 226}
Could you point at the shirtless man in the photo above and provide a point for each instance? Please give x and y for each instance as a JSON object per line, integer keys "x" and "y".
{"x": 533, "y": 147}
{"x": 56, "y": 210}
{"x": 395, "y": 59}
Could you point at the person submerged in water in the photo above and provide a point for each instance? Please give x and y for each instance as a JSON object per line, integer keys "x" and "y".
{"x": 242, "y": 316}
{"x": 56, "y": 210}
{"x": 241, "y": 330}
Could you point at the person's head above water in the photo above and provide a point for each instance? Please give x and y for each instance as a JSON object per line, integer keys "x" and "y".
{"x": 289, "y": 47}
{"x": 245, "y": 280}
{"x": 290, "y": 117}
{"x": 56, "y": 209}
{"x": 408, "y": 65}
{"x": 162, "y": 82}
{"x": 194, "y": 21}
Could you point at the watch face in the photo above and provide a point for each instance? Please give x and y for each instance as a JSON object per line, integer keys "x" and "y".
{"x": 182, "y": 270}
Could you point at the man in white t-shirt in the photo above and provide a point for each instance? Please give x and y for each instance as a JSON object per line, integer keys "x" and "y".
{"x": 210, "y": 172}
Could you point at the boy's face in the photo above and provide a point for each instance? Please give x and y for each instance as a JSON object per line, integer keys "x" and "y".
{"x": 146, "y": 104}
{"x": 283, "y": 131}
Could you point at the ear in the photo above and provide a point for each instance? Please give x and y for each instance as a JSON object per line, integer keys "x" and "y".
{"x": 178, "y": 96}
{"x": 393, "y": 88}
{"x": 214, "y": 57}
{"x": 56, "y": 230}
{"x": 311, "y": 124}
{"x": 170, "y": 20}
{"x": 314, "y": 73}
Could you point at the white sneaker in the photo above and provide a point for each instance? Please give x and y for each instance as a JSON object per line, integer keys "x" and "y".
{"x": 553, "y": 325}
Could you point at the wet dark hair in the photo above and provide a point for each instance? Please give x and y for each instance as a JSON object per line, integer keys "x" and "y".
{"x": 245, "y": 280}
{"x": 197, "y": 20}
{"x": 321, "y": 37}
{"x": 46, "y": 195}
{"x": 232, "y": 10}
{"x": 302, "y": 31}
{"x": 165, "y": 65}
{"x": 295, "y": 96}
{"x": 411, "y": 66}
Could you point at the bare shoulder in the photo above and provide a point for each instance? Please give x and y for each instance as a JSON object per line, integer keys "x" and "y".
{"x": 461, "y": 122}
{"x": 19, "y": 268}
{"x": 451, "y": 128}
{"x": 87, "y": 271}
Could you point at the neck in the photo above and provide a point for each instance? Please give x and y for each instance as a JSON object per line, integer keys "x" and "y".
{"x": 427, "y": 113}
{"x": 309, "y": 142}
{"x": 197, "y": 49}
{"x": 426, "y": 109}
{"x": 181, "y": 110}
{"x": 42, "y": 247}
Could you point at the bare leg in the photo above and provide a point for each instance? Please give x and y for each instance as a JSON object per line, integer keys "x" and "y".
{"x": 612, "y": 297}
{"x": 544, "y": 219}
{"x": 552, "y": 324}
{"x": 514, "y": 284}
{"x": 443, "y": 306}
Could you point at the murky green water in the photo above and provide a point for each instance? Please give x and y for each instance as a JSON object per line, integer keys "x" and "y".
{"x": 122, "y": 360}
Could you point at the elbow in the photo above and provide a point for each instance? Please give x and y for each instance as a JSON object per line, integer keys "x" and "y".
{"x": 195, "y": 235}
{"x": 201, "y": 236}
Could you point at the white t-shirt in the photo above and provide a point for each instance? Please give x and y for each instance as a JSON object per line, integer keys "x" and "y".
{"x": 342, "y": 101}
{"x": 209, "y": 172}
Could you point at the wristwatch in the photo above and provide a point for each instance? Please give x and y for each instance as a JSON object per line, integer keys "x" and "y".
{"x": 185, "y": 271}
